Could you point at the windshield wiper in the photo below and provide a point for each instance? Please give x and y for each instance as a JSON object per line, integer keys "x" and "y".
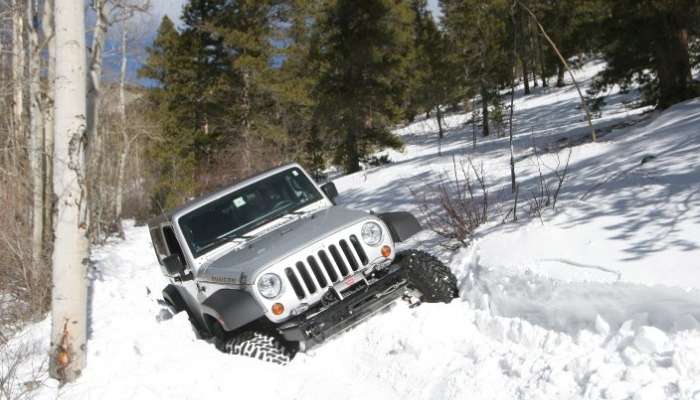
{"x": 229, "y": 237}
{"x": 277, "y": 214}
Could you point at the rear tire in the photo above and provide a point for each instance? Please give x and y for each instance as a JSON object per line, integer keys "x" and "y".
{"x": 429, "y": 276}
{"x": 260, "y": 345}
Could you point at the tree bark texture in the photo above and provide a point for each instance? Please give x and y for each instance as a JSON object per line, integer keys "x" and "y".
{"x": 69, "y": 296}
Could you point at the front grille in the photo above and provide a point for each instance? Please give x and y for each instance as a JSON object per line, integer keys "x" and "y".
{"x": 319, "y": 271}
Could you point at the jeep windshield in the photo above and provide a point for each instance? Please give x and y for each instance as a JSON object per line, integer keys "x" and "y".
{"x": 246, "y": 209}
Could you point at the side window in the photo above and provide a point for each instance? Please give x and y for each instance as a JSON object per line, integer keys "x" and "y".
{"x": 173, "y": 245}
{"x": 158, "y": 243}
{"x": 299, "y": 185}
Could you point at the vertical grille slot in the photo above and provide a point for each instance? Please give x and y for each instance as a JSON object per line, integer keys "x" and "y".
{"x": 306, "y": 277}
{"x": 348, "y": 254}
{"x": 316, "y": 269}
{"x": 328, "y": 266}
{"x": 295, "y": 283}
{"x": 359, "y": 250}
{"x": 339, "y": 260}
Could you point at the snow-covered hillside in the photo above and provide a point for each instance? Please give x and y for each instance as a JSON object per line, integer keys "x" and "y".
{"x": 598, "y": 299}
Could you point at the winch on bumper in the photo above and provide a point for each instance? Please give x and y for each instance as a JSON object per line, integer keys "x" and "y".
{"x": 341, "y": 310}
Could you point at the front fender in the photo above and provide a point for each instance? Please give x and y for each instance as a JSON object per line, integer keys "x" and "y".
{"x": 233, "y": 308}
{"x": 402, "y": 225}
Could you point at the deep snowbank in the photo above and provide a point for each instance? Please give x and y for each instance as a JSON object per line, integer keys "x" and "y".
{"x": 431, "y": 352}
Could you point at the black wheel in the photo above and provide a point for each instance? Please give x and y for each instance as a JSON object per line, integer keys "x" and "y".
{"x": 429, "y": 275}
{"x": 172, "y": 299}
{"x": 260, "y": 345}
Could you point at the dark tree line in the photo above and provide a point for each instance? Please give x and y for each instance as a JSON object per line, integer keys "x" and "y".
{"x": 245, "y": 85}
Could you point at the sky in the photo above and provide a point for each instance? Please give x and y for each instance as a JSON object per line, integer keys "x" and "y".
{"x": 172, "y": 8}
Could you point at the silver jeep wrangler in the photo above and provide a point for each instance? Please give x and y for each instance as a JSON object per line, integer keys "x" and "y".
{"x": 271, "y": 265}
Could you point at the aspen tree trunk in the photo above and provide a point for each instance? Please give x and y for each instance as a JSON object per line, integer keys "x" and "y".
{"x": 4, "y": 55}
{"x": 17, "y": 72}
{"x": 69, "y": 308}
{"x": 48, "y": 26}
{"x": 36, "y": 140}
{"x": 94, "y": 147}
{"x": 125, "y": 136}
{"x": 95, "y": 73}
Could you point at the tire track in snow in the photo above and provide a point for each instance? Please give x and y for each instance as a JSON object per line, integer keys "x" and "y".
{"x": 579, "y": 265}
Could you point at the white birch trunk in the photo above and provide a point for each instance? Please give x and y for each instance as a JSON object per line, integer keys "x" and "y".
{"x": 36, "y": 140}
{"x": 5, "y": 58}
{"x": 94, "y": 147}
{"x": 95, "y": 73}
{"x": 17, "y": 72}
{"x": 48, "y": 26}
{"x": 69, "y": 308}
{"x": 125, "y": 136}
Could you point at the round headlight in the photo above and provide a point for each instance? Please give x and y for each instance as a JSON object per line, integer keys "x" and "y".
{"x": 372, "y": 233}
{"x": 269, "y": 286}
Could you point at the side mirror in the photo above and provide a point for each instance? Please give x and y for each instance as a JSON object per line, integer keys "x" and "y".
{"x": 330, "y": 190}
{"x": 174, "y": 265}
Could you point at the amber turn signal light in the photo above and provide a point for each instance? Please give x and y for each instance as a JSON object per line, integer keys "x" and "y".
{"x": 277, "y": 308}
{"x": 386, "y": 251}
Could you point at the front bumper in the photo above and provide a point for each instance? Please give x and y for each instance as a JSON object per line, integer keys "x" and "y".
{"x": 324, "y": 321}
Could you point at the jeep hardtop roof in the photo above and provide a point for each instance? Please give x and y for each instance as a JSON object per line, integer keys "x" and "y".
{"x": 203, "y": 199}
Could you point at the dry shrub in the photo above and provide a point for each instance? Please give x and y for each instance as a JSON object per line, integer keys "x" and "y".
{"x": 457, "y": 204}
{"x": 20, "y": 374}
{"x": 549, "y": 185}
{"x": 24, "y": 287}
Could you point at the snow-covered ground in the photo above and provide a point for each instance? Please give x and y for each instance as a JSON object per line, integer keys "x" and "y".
{"x": 598, "y": 299}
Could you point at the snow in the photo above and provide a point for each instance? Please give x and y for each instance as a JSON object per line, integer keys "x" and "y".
{"x": 651, "y": 340}
{"x": 598, "y": 299}
{"x": 642, "y": 224}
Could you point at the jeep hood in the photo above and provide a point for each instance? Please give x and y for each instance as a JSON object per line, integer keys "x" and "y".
{"x": 242, "y": 265}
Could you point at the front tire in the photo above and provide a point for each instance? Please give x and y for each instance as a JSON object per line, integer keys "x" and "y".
{"x": 429, "y": 276}
{"x": 260, "y": 345}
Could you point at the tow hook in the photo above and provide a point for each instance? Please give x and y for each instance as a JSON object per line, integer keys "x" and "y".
{"x": 412, "y": 299}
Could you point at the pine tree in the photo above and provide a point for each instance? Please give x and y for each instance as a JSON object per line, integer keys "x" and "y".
{"x": 232, "y": 94}
{"x": 647, "y": 42}
{"x": 436, "y": 71}
{"x": 170, "y": 64}
{"x": 479, "y": 32}
{"x": 294, "y": 81}
{"x": 363, "y": 57}
{"x": 572, "y": 25}
{"x": 247, "y": 28}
